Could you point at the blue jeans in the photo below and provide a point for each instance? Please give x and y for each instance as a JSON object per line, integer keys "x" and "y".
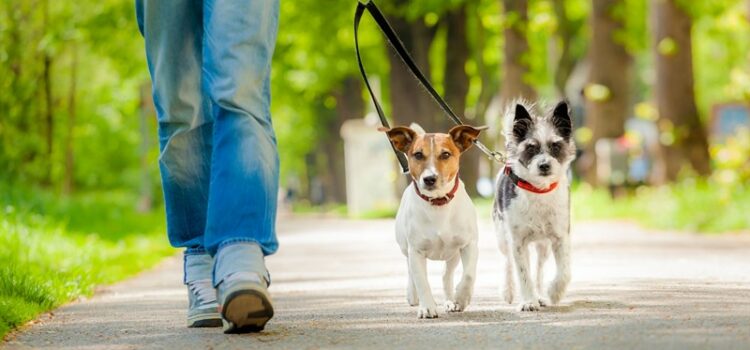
{"x": 210, "y": 64}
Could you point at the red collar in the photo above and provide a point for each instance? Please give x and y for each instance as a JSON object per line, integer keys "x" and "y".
{"x": 440, "y": 201}
{"x": 525, "y": 184}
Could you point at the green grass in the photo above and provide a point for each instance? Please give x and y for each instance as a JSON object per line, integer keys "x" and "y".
{"x": 54, "y": 250}
{"x": 691, "y": 205}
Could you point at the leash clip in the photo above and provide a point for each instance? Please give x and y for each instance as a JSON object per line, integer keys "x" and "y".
{"x": 497, "y": 156}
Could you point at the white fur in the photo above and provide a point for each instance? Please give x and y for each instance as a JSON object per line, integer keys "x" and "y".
{"x": 448, "y": 233}
{"x": 542, "y": 219}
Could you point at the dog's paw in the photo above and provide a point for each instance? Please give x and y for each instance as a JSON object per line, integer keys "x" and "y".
{"x": 543, "y": 303}
{"x": 557, "y": 290}
{"x": 412, "y": 300}
{"x": 427, "y": 311}
{"x": 453, "y": 306}
{"x": 507, "y": 294}
{"x": 529, "y": 306}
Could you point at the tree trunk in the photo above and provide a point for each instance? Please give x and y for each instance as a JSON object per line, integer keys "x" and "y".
{"x": 566, "y": 30}
{"x": 515, "y": 68}
{"x": 48, "y": 112}
{"x": 409, "y": 102}
{"x": 607, "y": 110}
{"x": 675, "y": 98}
{"x": 457, "y": 86}
{"x": 69, "y": 174}
{"x": 349, "y": 105}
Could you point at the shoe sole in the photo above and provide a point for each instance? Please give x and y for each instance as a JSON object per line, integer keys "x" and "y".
{"x": 246, "y": 311}
{"x": 205, "y": 321}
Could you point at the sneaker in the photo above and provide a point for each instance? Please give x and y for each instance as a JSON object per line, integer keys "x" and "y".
{"x": 245, "y": 302}
{"x": 203, "y": 310}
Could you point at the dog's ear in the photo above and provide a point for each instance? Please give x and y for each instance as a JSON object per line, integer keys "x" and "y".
{"x": 561, "y": 119}
{"x": 401, "y": 137}
{"x": 464, "y": 135}
{"x": 522, "y": 123}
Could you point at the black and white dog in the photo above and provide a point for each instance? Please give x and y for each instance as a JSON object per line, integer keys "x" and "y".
{"x": 532, "y": 205}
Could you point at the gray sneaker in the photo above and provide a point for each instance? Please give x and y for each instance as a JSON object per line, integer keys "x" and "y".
{"x": 203, "y": 310}
{"x": 245, "y": 303}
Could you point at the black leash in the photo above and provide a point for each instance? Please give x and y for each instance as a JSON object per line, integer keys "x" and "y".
{"x": 395, "y": 42}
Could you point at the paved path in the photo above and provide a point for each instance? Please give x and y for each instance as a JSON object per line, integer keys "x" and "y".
{"x": 340, "y": 284}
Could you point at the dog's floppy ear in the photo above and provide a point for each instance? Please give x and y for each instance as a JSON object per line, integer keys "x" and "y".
{"x": 401, "y": 137}
{"x": 464, "y": 135}
{"x": 522, "y": 123}
{"x": 561, "y": 119}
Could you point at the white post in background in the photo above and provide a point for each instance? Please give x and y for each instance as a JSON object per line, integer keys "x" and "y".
{"x": 370, "y": 165}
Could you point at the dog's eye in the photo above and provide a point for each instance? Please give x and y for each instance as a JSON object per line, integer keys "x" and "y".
{"x": 555, "y": 147}
{"x": 532, "y": 149}
{"x": 445, "y": 155}
{"x": 418, "y": 155}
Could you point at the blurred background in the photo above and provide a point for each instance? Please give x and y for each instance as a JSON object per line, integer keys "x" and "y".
{"x": 660, "y": 91}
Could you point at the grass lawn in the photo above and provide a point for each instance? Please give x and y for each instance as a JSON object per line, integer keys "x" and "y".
{"x": 695, "y": 206}
{"x": 54, "y": 250}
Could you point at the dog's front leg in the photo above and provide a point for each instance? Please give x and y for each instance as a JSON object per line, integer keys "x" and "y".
{"x": 465, "y": 288}
{"x": 411, "y": 291}
{"x": 561, "y": 250}
{"x": 450, "y": 266}
{"x": 542, "y": 252}
{"x": 529, "y": 297}
{"x": 418, "y": 268}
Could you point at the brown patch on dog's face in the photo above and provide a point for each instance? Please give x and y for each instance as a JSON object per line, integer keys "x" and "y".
{"x": 433, "y": 158}
{"x": 433, "y": 161}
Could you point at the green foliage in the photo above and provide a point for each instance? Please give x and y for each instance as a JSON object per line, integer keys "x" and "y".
{"x": 633, "y": 16}
{"x": 690, "y": 205}
{"x": 53, "y": 250}
{"x": 308, "y": 67}
{"x": 731, "y": 161}
{"x": 721, "y": 52}
{"x": 704, "y": 206}
{"x": 96, "y": 45}
{"x": 540, "y": 29}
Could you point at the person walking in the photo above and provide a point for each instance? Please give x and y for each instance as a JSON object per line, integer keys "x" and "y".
{"x": 210, "y": 63}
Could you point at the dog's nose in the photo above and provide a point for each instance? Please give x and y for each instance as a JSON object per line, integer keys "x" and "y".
{"x": 544, "y": 168}
{"x": 429, "y": 180}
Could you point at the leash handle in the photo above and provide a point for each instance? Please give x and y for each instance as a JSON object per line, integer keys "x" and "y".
{"x": 397, "y": 45}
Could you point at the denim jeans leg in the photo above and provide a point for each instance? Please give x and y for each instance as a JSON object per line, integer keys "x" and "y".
{"x": 197, "y": 265}
{"x": 173, "y": 33}
{"x": 239, "y": 39}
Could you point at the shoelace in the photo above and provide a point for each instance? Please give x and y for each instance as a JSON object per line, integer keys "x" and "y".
{"x": 204, "y": 290}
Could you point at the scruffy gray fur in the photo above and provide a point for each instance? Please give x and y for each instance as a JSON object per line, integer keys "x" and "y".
{"x": 539, "y": 148}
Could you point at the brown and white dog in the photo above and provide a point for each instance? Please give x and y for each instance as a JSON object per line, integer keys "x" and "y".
{"x": 436, "y": 219}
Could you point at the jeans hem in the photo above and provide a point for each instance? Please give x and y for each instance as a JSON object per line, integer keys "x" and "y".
{"x": 237, "y": 241}
{"x": 195, "y": 251}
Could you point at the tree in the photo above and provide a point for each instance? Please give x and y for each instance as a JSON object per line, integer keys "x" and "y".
{"x": 456, "y": 86}
{"x": 569, "y": 32}
{"x": 674, "y": 94}
{"x": 349, "y": 105}
{"x": 69, "y": 173}
{"x": 48, "y": 99}
{"x": 409, "y": 102}
{"x": 608, "y": 88}
{"x": 515, "y": 67}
